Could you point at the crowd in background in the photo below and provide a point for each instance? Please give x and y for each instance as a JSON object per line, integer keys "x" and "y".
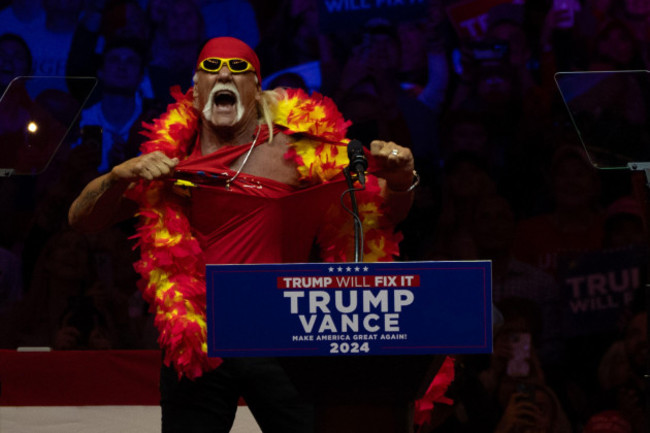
{"x": 504, "y": 177}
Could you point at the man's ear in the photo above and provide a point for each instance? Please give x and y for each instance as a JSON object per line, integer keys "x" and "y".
{"x": 258, "y": 95}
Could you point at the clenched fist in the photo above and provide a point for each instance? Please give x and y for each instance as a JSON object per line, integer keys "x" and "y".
{"x": 395, "y": 164}
{"x": 150, "y": 166}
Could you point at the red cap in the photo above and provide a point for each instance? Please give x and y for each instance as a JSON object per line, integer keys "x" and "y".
{"x": 227, "y": 48}
{"x": 609, "y": 421}
{"x": 626, "y": 205}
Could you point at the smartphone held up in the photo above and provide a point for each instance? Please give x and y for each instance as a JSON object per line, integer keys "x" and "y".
{"x": 519, "y": 362}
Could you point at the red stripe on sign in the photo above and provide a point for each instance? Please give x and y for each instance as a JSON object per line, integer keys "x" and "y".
{"x": 348, "y": 281}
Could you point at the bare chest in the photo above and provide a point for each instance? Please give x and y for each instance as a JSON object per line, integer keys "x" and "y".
{"x": 267, "y": 160}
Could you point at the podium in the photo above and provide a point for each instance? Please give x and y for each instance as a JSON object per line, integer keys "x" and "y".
{"x": 359, "y": 394}
{"x": 361, "y": 341}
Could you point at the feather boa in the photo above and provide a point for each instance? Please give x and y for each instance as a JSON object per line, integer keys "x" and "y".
{"x": 435, "y": 393}
{"x": 171, "y": 265}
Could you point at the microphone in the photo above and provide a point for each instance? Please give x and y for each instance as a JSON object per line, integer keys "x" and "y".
{"x": 358, "y": 161}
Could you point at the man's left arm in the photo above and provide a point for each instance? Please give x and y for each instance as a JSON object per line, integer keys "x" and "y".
{"x": 396, "y": 173}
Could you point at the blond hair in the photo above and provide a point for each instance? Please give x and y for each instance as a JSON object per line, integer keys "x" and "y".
{"x": 267, "y": 105}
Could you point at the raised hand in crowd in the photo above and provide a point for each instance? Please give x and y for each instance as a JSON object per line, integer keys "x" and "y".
{"x": 521, "y": 414}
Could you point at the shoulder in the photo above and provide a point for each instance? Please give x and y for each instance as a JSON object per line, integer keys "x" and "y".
{"x": 91, "y": 115}
{"x": 281, "y": 139}
{"x": 315, "y": 133}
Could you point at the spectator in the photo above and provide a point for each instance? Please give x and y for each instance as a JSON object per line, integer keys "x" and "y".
{"x": 64, "y": 270}
{"x": 465, "y": 181}
{"x": 546, "y": 414}
{"x": 98, "y": 27}
{"x": 64, "y": 108}
{"x": 156, "y": 12}
{"x": 49, "y": 216}
{"x": 291, "y": 38}
{"x": 637, "y": 16}
{"x": 513, "y": 90}
{"x": 126, "y": 20}
{"x": 11, "y": 285}
{"x": 115, "y": 295}
{"x": 370, "y": 94}
{"x": 368, "y": 91}
{"x": 534, "y": 411}
{"x": 175, "y": 44}
{"x": 621, "y": 373}
{"x": 491, "y": 396}
{"x": 21, "y": 13}
{"x": 491, "y": 90}
{"x": 24, "y": 18}
{"x": 615, "y": 48}
{"x": 562, "y": 41}
{"x": 506, "y": 24}
{"x": 493, "y": 230}
{"x": 413, "y": 56}
{"x": 82, "y": 326}
{"x": 289, "y": 80}
{"x": 15, "y": 59}
{"x": 505, "y": 47}
{"x": 467, "y": 131}
{"x": 234, "y": 18}
{"x": 50, "y": 44}
{"x": 437, "y": 48}
{"x": 576, "y": 220}
{"x": 625, "y": 224}
{"x": 426, "y": 44}
{"x": 120, "y": 105}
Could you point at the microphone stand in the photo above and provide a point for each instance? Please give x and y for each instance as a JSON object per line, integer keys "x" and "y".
{"x": 358, "y": 244}
{"x": 645, "y": 167}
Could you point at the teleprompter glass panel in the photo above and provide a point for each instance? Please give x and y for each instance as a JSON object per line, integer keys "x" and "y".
{"x": 36, "y": 114}
{"x": 610, "y": 111}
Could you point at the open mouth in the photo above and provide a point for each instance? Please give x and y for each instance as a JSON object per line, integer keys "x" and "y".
{"x": 224, "y": 98}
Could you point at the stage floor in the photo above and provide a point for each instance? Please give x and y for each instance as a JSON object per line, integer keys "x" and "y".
{"x": 97, "y": 419}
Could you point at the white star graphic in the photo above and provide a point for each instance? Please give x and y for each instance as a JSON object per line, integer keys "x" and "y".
{"x": 348, "y": 269}
{"x": 331, "y": 269}
{"x": 340, "y": 269}
{"x": 356, "y": 269}
{"x": 365, "y": 269}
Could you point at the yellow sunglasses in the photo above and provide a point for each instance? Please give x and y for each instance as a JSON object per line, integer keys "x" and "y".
{"x": 236, "y": 66}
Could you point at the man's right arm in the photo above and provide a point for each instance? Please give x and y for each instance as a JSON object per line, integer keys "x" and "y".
{"x": 101, "y": 203}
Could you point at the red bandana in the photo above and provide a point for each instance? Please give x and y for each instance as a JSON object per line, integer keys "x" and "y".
{"x": 227, "y": 48}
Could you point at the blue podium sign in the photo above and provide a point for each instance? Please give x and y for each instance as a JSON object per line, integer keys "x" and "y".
{"x": 329, "y": 309}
